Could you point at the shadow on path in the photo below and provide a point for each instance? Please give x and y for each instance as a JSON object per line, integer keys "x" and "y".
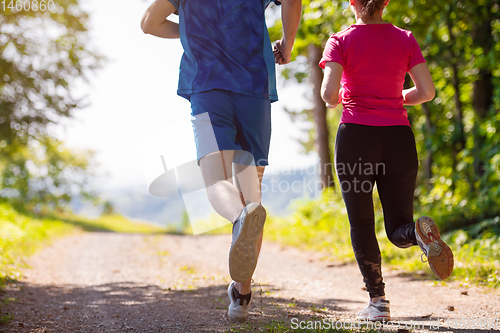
{"x": 122, "y": 307}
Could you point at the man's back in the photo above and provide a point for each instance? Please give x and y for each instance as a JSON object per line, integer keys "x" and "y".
{"x": 226, "y": 46}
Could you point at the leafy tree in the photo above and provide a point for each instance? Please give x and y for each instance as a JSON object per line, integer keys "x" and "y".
{"x": 457, "y": 133}
{"x": 319, "y": 20}
{"x": 460, "y": 40}
{"x": 44, "y": 54}
{"x": 46, "y": 175}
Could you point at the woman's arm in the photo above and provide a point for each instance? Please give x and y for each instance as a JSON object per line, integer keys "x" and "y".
{"x": 331, "y": 91}
{"x": 154, "y": 21}
{"x": 424, "y": 90}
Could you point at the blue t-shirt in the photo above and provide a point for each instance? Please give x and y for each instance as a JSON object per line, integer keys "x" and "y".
{"x": 226, "y": 46}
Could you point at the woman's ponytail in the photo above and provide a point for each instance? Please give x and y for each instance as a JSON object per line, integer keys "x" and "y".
{"x": 369, "y": 6}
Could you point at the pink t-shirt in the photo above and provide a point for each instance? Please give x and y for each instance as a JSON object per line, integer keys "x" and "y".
{"x": 375, "y": 58}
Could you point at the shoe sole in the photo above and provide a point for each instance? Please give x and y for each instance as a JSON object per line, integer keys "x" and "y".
{"x": 244, "y": 253}
{"x": 439, "y": 256}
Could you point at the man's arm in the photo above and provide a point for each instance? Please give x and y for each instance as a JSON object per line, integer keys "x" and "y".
{"x": 290, "y": 16}
{"x": 154, "y": 21}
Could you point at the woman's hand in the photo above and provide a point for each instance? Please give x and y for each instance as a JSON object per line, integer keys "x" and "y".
{"x": 424, "y": 90}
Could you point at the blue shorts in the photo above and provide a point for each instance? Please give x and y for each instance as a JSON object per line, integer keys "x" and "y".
{"x": 225, "y": 120}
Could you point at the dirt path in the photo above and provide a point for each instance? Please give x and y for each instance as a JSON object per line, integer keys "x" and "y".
{"x": 108, "y": 282}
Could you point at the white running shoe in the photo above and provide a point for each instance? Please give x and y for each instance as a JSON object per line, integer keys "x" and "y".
{"x": 238, "y": 309}
{"x": 438, "y": 253}
{"x": 244, "y": 253}
{"x": 379, "y": 311}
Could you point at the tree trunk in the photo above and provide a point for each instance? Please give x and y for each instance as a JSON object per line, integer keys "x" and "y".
{"x": 428, "y": 141}
{"x": 427, "y": 134}
{"x": 459, "y": 120}
{"x": 459, "y": 139}
{"x": 482, "y": 92}
{"x": 482, "y": 101}
{"x": 319, "y": 114}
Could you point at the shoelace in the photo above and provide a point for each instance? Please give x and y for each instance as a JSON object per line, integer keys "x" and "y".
{"x": 422, "y": 247}
{"x": 428, "y": 231}
{"x": 434, "y": 240}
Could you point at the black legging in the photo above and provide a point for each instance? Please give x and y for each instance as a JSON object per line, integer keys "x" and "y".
{"x": 387, "y": 156}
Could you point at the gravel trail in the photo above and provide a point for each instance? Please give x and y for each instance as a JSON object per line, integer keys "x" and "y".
{"x": 110, "y": 282}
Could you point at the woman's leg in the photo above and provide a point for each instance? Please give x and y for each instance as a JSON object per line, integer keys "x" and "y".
{"x": 357, "y": 152}
{"x": 396, "y": 184}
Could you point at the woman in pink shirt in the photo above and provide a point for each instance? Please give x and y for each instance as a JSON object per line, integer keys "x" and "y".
{"x": 365, "y": 67}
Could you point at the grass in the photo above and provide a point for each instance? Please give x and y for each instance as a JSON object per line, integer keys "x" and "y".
{"x": 319, "y": 225}
{"x": 6, "y": 317}
{"x": 113, "y": 223}
{"x": 188, "y": 269}
{"x": 22, "y": 235}
{"x": 312, "y": 325}
{"x": 322, "y": 225}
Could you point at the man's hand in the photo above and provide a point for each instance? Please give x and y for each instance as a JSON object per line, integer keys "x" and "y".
{"x": 282, "y": 53}
{"x": 290, "y": 16}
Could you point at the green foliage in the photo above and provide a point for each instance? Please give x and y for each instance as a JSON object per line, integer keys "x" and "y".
{"x": 322, "y": 225}
{"x": 21, "y": 236}
{"x": 6, "y": 318}
{"x": 477, "y": 259}
{"x": 315, "y": 224}
{"x": 457, "y": 133}
{"x": 285, "y": 326}
{"x": 46, "y": 175}
{"x": 44, "y": 55}
{"x": 320, "y": 19}
{"x": 109, "y": 222}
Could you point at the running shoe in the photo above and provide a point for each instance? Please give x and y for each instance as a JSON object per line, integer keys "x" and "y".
{"x": 379, "y": 311}
{"x": 438, "y": 253}
{"x": 238, "y": 309}
{"x": 244, "y": 252}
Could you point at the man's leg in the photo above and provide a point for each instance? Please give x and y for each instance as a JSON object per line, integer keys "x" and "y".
{"x": 248, "y": 181}
{"x": 228, "y": 200}
{"x": 253, "y": 122}
{"x": 216, "y": 169}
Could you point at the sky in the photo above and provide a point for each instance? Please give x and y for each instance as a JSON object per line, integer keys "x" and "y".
{"x": 133, "y": 98}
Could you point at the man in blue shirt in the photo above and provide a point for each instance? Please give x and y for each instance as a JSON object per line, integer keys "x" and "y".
{"x": 227, "y": 72}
